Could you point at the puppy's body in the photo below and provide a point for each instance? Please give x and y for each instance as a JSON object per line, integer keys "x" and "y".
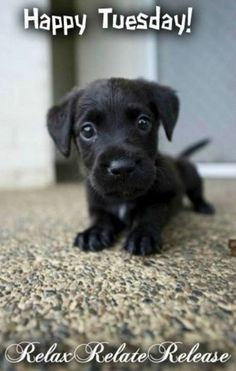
{"x": 130, "y": 185}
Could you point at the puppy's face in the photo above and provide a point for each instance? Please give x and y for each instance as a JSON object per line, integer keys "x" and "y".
{"x": 116, "y": 133}
{"x": 114, "y": 124}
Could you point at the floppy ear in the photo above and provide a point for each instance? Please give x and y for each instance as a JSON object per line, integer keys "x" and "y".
{"x": 60, "y": 119}
{"x": 166, "y": 104}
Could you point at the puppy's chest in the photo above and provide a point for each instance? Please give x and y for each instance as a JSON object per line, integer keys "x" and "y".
{"x": 123, "y": 211}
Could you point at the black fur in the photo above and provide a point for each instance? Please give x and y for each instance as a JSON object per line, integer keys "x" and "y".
{"x": 130, "y": 185}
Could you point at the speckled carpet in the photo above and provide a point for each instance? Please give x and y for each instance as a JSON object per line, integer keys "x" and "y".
{"x": 52, "y": 292}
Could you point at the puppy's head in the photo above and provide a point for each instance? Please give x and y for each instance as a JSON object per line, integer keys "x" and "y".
{"x": 114, "y": 124}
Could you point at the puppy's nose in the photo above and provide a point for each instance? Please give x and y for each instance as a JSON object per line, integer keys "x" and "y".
{"x": 121, "y": 167}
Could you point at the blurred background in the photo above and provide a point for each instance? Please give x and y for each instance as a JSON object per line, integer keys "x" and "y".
{"x": 37, "y": 69}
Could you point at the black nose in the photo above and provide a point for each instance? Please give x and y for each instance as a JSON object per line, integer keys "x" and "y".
{"x": 121, "y": 167}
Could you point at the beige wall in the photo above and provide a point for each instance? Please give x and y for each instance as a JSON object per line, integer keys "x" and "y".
{"x": 107, "y": 53}
{"x": 25, "y": 147}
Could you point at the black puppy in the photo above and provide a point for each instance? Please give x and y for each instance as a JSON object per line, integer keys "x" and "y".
{"x": 114, "y": 124}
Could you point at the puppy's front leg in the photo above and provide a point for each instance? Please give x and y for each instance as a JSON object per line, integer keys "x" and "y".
{"x": 101, "y": 234}
{"x": 145, "y": 236}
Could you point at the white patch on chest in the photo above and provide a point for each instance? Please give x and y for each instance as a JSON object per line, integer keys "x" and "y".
{"x": 122, "y": 211}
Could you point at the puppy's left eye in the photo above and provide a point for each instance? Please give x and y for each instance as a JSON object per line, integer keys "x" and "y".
{"x": 88, "y": 131}
{"x": 144, "y": 123}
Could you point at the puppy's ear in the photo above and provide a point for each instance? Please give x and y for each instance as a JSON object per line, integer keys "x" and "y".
{"x": 60, "y": 119}
{"x": 166, "y": 104}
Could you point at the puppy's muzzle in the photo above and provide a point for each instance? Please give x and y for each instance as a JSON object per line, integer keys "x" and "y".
{"x": 121, "y": 167}
{"x": 122, "y": 172}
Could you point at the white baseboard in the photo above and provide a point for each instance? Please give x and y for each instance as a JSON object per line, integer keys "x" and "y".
{"x": 217, "y": 170}
{"x": 27, "y": 178}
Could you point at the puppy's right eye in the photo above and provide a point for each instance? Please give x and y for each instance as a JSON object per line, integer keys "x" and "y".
{"x": 87, "y": 131}
{"x": 144, "y": 123}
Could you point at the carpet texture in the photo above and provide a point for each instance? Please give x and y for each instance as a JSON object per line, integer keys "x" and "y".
{"x": 52, "y": 292}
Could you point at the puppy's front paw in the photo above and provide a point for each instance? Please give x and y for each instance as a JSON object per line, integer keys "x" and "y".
{"x": 142, "y": 241}
{"x": 94, "y": 238}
